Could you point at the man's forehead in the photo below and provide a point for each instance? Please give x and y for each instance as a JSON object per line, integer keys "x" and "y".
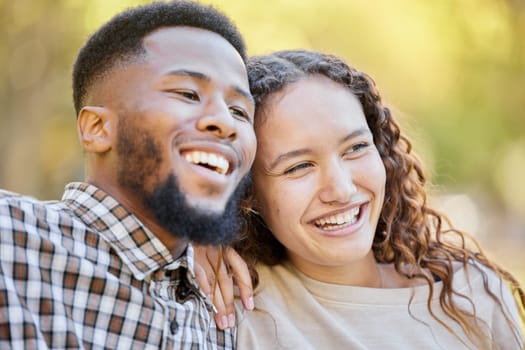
{"x": 194, "y": 49}
{"x": 188, "y": 39}
{"x": 199, "y": 53}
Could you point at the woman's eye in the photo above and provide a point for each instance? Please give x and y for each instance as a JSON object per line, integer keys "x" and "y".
{"x": 358, "y": 147}
{"x": 296, "y": 168}
{"x": 240, "y": 113}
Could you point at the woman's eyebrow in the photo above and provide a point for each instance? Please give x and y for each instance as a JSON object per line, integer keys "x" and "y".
{"x": 302, "y": 151}
{"x": 354, "y": 134}
{"x": 288, "y": 155}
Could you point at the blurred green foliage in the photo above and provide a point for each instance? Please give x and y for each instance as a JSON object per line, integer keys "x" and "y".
{"x": 453, "y": 72}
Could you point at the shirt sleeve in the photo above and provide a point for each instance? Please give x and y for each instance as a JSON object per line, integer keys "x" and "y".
{"x": 505, "y": 336}
{"x": 29, "y": 302}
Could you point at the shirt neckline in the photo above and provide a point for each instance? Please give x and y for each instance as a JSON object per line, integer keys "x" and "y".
{"x": 378, "y": 296}
{"x": 133, "y": 242}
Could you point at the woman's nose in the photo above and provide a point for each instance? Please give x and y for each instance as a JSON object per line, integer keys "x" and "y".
{"x": 338, "y": 185}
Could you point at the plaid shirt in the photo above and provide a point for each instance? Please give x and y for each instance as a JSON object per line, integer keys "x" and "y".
{"x": 85, "y": 273}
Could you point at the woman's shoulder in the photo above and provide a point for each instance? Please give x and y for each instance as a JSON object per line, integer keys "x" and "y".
{"x": 475, "y": 274}
{"x": 278, "y": 288}
{"x": 276, "y": 277}
{"x": 484, "y": 286}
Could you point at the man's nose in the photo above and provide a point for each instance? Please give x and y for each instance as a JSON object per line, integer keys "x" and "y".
{"x": 218, "y": 120}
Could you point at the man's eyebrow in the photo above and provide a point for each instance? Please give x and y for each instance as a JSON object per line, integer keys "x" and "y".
{"x": 204, "y": 77}
{"x": 189, "y": 73}
{"x": 245, "y": 94}
{"x": 302, "y": 151}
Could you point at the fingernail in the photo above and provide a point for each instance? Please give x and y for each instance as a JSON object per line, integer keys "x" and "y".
{"x": 231, "y": 320}
{"x": 224, "y": 322}
{"x": 249, "y": 303}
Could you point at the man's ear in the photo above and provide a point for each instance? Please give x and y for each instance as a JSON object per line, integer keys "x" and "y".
{"x": 96, "y": 128}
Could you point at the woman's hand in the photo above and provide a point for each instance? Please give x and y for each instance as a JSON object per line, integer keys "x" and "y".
{"x": 227, "y": 267}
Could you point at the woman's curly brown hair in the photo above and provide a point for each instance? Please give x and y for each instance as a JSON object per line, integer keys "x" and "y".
{"x": 409, "y": 234}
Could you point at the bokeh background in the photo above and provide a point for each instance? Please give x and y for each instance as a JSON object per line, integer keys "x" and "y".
{"x": 453, "y": 72}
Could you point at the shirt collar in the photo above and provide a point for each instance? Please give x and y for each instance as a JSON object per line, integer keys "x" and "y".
{"x": 135, "y": 244}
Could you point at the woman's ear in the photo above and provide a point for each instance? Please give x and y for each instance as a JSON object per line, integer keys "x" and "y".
{"x": 96, "y": 127}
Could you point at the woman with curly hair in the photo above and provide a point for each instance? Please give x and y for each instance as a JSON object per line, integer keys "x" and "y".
{"x": 342, "y": 247}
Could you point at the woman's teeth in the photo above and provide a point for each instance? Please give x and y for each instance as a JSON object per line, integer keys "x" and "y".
{"x": 335, "y": 222}
{"x": 211, "y": 161}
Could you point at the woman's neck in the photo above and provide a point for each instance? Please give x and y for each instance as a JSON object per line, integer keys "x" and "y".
{"x": 365, "y": 272}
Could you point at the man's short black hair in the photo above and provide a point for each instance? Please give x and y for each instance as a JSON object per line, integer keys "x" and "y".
{"x": 120, "y": 39}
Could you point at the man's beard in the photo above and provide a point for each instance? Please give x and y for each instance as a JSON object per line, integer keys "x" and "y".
{"x": 140, "y": 159}
{"x": 171, "y": 208}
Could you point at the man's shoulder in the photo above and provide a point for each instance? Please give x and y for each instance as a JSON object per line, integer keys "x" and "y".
{"x": 46, "y": 228}
{"x": 15, "y": 206}
{"x": 13, "y": 198}
{"x": 31, "y": 220}
{"x": 6, "y": 195}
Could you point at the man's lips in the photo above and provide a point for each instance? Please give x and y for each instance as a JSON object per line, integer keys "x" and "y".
{"x": 219, "y": 158}
{"x": 210, "y": 160}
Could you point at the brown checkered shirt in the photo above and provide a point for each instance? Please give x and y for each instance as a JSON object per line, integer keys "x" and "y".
{"x": 85, "y": 273}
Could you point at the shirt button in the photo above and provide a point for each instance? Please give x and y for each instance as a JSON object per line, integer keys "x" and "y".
{"x": 174, "y": 327}
{"x": 182, "y": 292}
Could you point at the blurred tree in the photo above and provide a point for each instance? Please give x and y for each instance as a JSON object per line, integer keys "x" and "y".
{"x": 38, "y": 146}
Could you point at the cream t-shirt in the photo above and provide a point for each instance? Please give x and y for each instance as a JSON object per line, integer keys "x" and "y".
{"x": 297, "y": 312}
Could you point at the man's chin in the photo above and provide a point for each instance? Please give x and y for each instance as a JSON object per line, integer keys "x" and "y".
{"x": 206, "y": 206}
{"x": 195, "y": 219}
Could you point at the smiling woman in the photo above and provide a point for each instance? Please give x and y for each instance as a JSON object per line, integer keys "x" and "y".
{"x": 321, "y": 154}
{"x": 342, "y": 247}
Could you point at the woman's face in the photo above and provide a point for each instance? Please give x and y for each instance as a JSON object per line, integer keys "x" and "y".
{"x": 319, "y": 179}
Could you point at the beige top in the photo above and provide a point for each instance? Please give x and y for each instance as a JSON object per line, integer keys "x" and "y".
{"x": 296, "y": 312}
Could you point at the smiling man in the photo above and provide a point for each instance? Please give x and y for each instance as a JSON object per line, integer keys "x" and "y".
{"x": 166, "y": 121}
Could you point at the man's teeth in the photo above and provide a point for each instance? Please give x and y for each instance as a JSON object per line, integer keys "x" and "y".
{"x": 212, "y": 160}
{"x": 336, "y": 221}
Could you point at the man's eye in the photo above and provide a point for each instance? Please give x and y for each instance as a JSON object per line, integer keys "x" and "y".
{"x": 296, "y": 168}
{"x": 240, "y": 113}
{"x": 187, "y": 94}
